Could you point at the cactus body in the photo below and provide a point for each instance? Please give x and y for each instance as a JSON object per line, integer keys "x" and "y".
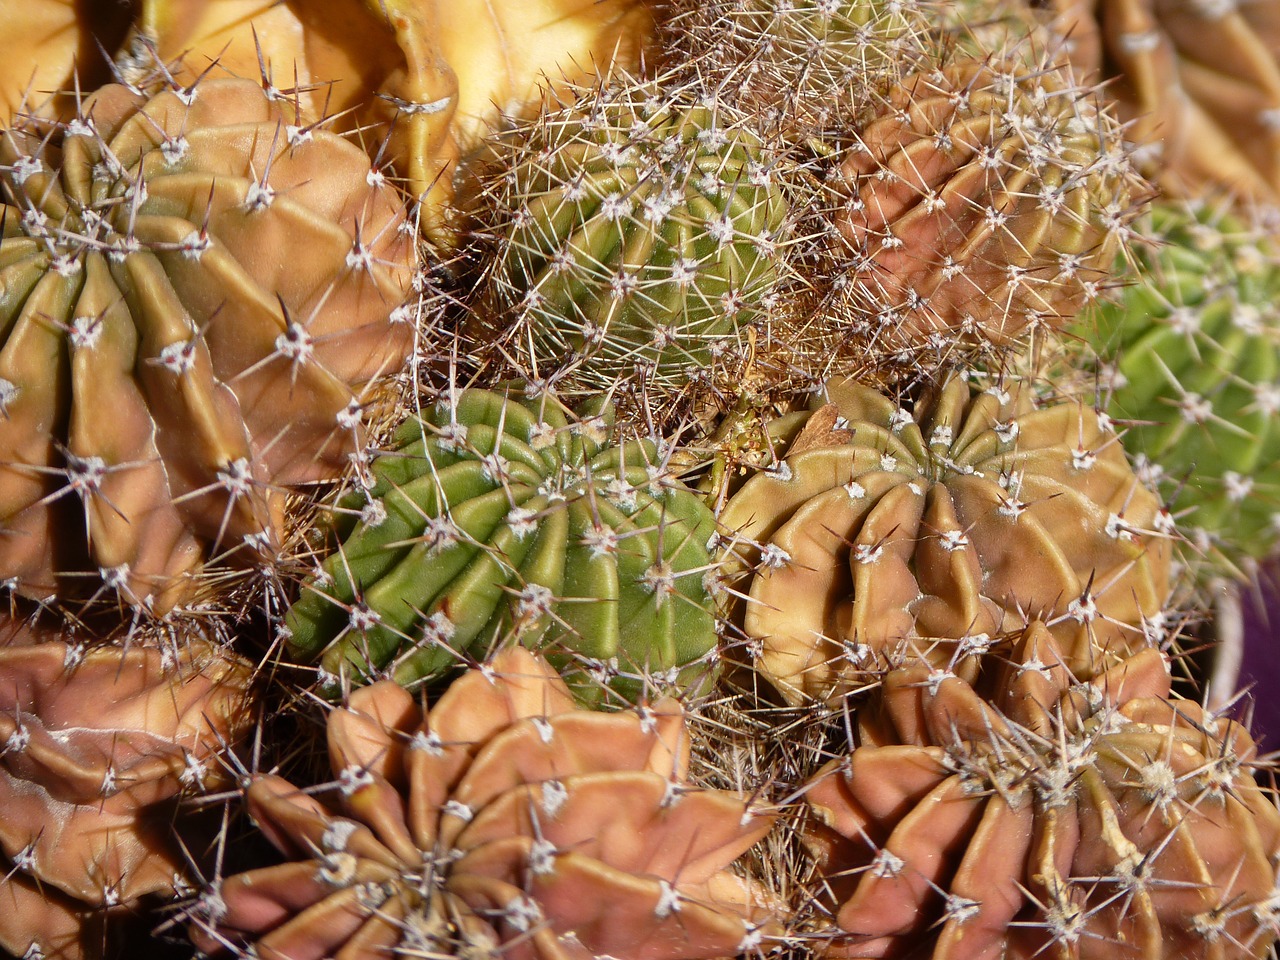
{"x": 1030, "y": 814}
{"x": 497, "y": 513}
{"x": 197, "y": 296}
{"x": 100, "y": 744}
{"x": 881, "y": 528}
{"x": 433, "y": 76}
{"x": 1197, "y": 83}
{"x": 984, "y": 201}
{"x": 641, "y": 232}
{"x": 1195, "y": 351}
{"x": 504, "y": 820}
{"x": 49, "y": 45}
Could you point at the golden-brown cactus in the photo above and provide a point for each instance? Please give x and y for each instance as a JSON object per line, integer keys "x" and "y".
{"x": 882, "y": 528}
{"x": 199, "y": 295}
{"x": 1197, "y": 82}
{"x": 1029, "y": 814}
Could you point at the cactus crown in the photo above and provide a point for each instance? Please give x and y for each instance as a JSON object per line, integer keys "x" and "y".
{"x": 985, "y": 199}
{"x": 939, "y": 528}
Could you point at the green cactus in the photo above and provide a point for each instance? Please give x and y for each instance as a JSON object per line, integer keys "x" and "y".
{"x": 496, "y": 513}
{"x": 1194, "y": 371}
{"x": 803, "y": 66}
{"x": 506, "y": 821}
{"x": 641, "y": 231}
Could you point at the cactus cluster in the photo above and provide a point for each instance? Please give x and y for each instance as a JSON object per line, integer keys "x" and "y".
{"x": 683, "y": 398}
{"x": 879, "y": 528}
{"x": 503, "y": 821}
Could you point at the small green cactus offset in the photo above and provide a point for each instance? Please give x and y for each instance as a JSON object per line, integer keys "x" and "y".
{"x": 642, "y": 230}
{"x": 1194, "y": 346}
{"x": 506, "y": 513}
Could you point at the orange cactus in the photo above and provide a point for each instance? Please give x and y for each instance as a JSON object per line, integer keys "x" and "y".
{"x": 1028, "y": 814}
{"x": 881, "y": 529}
{"x": 99, "y": 744}
{"x": 505, "y": 819}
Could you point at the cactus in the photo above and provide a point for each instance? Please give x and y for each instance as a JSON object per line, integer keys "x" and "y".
{"x": 199, "y": 294}
{"x": 49, "y": 45}
{"x": 1029, "y": 814}
{"x": 641, "y": 231}
{"x": 99, "y": 745}
{"x": 505, "y": 513}
{"x": 504, "y": 820}
{"x": 1197, "y": 84}
{"x": 1195, "y": 372}
{"x": 878, "y": 528}
{"x": 434, "y": 76}
{"x": 984, "y": 200}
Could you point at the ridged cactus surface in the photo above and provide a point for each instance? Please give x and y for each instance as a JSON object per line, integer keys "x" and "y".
{"x": 197, "y": 295}
{"x": 879, "y": 529}
{"x": 985, "y": 199}
{"x": 1193, "y": 346}
{"x": 1197, "y": 83}
{"x": 99, "y": 745}
{"x": 429, "y": 78}
{"x": 641, "y": 230}
{"x": 1029, "y": 814}
{"x": 505, "y": 821}
{"x": 498, "y": 513}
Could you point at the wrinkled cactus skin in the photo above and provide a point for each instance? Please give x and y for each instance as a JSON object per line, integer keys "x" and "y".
{"x": 506, "y": 820}
{"x": 984, "y": 201}
{"x": 1193, "y": 371}
{"x": 1030, "y": 814}
{"x": 880, "y": 528}
{"x": 507, "y": 512}
{"x": 642, "y": 231}
{"x": 197, "y": 296}
{"x": 100, "y": 744}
